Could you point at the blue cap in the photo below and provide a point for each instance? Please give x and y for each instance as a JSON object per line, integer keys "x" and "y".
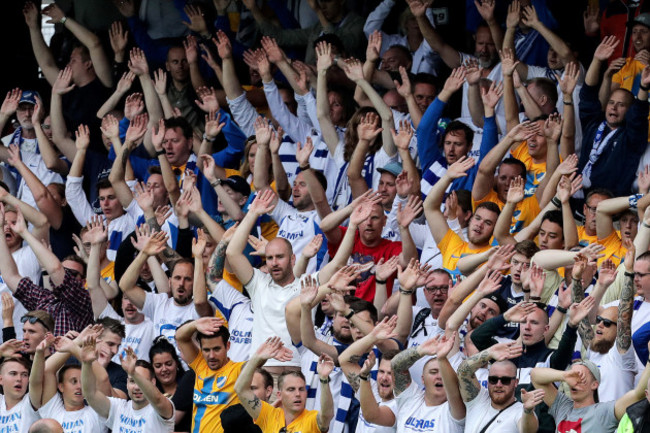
{"x": 393, "y": 167}
{"x": 29, "y": 97}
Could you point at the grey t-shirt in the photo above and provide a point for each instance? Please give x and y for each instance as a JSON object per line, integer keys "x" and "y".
{"x": 596, "y": 418}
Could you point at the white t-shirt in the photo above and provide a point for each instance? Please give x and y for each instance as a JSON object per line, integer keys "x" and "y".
{"x": 480, "y": 412}
{"x": 616, "y": 372}
{"x": 19, "y": 418}
{"x": 167, "y": 316}
{"x": 28, "y": 266}
{"x": 236, "y": 309}
{"x": 85, "y": 420}
{"x": 269, "y": 300}
{"x": 122, "y": 417}
{"x": 138, "y": 337}
{"x": 35, "y": 163}
{"x": 413, "y": 414}
{"x": 300, "y": 228}
{"x": 364, "y": 426}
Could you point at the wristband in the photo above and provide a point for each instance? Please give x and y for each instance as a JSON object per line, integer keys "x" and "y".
{"x": 556, "y": 202}
{"x": 216, "y": 183}
{"x": 307, "y": 167}
{"x": 206, "y": 138}
{"x": 646, "y": 225}
{"x": 535, "y": 298}
{"x": 525, "y": 291}
{"x": 528, "y": 411}
{"x": 378, "y": 281}
{"x": 567, "y": 103}
{"x": 64, "y": 19}
{"x": 633, "y": 200}
{"x": 160, "y": 152}
{"x": 324, "y": 381}
{"x": 349, "y": 315}
{"x": 561, "y": 309}
{"x": 405, "y": 292}
{"x": 362, "y": 377}
{"x": 644, "y": 88}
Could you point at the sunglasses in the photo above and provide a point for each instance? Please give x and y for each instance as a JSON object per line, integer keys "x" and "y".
{"x": 505, "y": 380}
{"x": 606, "y": 322}
{"x": 33, "y": 320}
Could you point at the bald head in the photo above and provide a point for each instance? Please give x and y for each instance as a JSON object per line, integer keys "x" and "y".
{"x": 46, "y": 425}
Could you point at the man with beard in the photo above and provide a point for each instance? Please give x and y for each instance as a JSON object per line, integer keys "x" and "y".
{"x": 357, "y": 363}
{"x": 439, "y": 406}
{"x": 496, "y": 409}
{"x": 292, "y": 415}
{"x": 613, "y": 141}
{"x": 609, "y": 346}
{"x": 481, "y": 225}
{"x": 147, "y": 409}
{"x": 166, "y": 313}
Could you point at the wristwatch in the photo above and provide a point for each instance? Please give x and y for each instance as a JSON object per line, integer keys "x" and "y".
{"x": 216, "y": 183}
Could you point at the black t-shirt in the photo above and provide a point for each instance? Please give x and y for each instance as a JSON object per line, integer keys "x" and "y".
{"x": 183, "y": 400}
{"x": 61, "y": 239}
{"x": 117, "y": 376}
{"x": 505, "y": 292}
{"x": 80, "y": 106}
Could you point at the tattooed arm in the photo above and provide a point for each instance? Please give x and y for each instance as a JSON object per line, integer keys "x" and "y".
{"x": 624, "y": 325}
{"x": 248, "y": 399}
{"x": 400, "y": 365}
{"x": 217, "y": 263}
{"x": 469, "y": 386}
{"x": 585, "y": 330}
{"x": 169, "y": 255}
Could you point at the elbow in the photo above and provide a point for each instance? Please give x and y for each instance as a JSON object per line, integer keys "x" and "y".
{"x": 52, "y": 165}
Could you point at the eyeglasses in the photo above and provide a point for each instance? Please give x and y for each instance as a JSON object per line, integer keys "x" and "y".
{"x": 505, "y": 380}
{"x": 641, "y": 274}
{"x": 45, "y": 126}
{"x": 591, "y": 209}
{"x": 33, "y": 320}
{"x": 606, "y": 322}
{"x": 434, "y": 289}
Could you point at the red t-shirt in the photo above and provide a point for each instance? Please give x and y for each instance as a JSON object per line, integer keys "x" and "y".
{"x": 368, "y": 257}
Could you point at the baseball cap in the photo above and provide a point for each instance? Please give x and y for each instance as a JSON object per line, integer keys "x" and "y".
{"x": 593, "y": 368}
{"x": 503, "y": 305}
{"x": 643, "y": 19}
{"x": 29, "y": 97}
{"x": 238, "y": 184}
{"x": 393, "y": 167}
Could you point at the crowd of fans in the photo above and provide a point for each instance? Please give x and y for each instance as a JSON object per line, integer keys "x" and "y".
{"x": 281, "y": 216}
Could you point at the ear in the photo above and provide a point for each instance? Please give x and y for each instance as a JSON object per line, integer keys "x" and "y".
{"x": 269, "y": 391}
{"x": 228, "y": 346}
{"x": 293, "y": 260}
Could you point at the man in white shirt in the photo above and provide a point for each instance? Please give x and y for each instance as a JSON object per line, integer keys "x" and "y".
{"x": 149, "y": 411}
{"x": 436, "y": 408}
{"x": 166, "y": 313}
{"x": 496, "y": 409}
{"x": 16, "y": 412}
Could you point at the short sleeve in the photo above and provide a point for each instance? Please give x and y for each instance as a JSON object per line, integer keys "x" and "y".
{"x": 152, "y": 302}
{"x": 117, "y": 407}
{"x": 52, "y": 407}
{"x": 560, "y": 407}
{"x": 281, "y": 210}
{"x": 254, "y": 282}
{"x": 405, "y": 396}
{"x": 448, "y": 239}
{"x": 266, "y": 412}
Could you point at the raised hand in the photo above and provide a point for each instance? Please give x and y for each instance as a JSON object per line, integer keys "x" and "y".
{"x": 136, "y": 130}
{"x": 615, "y": 66}
{"x": 577, "y": 312}
{"x": 518, "y": 313}
{"x": 455, "y": 80}
{"x": 404, "y": 89}
{"x": 47, "y": 342}
{"x": 262, "y": 131}
{"x": 97, "y": 232}
{"x": 353, "y": 69}
{"x": 591, "y": 20}
{"x": 54, "y": 12}
{"x": 503, "y": 351}
{"x": 207, "y": 101}
{"x": 63, "y": 83}
{"x": 606, "y": 48}
{"x": 272, "y": 49}
{"x": 500, "y": 259}
{"x": 197, "y": 20}
{"x": 485, "y": 9}
{"x": 324, "y": 56}
{"x": 516, "y": 191}
{"x": 492, "y": 95}
{"x": 514, "y": 14}
{"x": 537, "y": 278}
{"x": 368, "y": 364}
{"x": 213, "y": 125}
{"x": 258, "y": 245}
{"x": 110, "y": 127}
{"x": 579, "y": 266}
{"x": 12, "y": 347}
{"x": 553, "y": 127}
{"x": 198, "y": 243}
{"x": 271, "y": 348}
{"x": 569, "y": 165}
{"x": 374, "y": 46}
{"x": 10, "y": 103}
{"x": 409, "y": 277}
{"x": 222, "y": 42}
{"x": 643, "y": 179}
{"x": 341, "y": 280}
{"x": 385, "y": 269}
{"x": 143, "y": 196}
{"x": 191, "y": 48}
{"x": 138, "y": 62}
{"x": 419, "y": 7}
{"x": 360, "y": 214}
{"x": 14, "y": 159}
{"x": 446, "y": 344}
{"x": 160, "y": 81}
{"x": 8, "y": 306}
{"x": 89, "y": 350}
{"x": 369, "y": 128}
{"x": 276, "y": 140}
{"x": 403, "y": 138}
{"x": 384, "y": 329}
{"x": 30, "y": 12}
{"x": 406, "y": 215}
{"x": 490, "y": 283}
{"x": 531, "y": 399}
{"x": 312, "y": 248}
{"x": 134, "y": 105}
{"x": 208, "y": 325}
{"x": 508, "y": 63}
{"x": 523, "y": 131}
{"x": 574, "y": 377}
{"x": 118, "y": 38}
{"x": 264, "y": 202}
{"x": 308, "y": 291}
{"x": 593, "y": 252}
{"x": 128, "y": 361}
{"x": 459, "y": 168}
{"x": 325, "y": 366}
{"x": 570, "y": 80}
{"x": 304, "y": 152}
{"x": 530, "y": 17}
{"x": 607, "y": 273}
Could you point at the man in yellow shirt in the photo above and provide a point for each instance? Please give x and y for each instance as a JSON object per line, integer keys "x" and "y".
{"x": 215, "y": 372}
{"x": 480, "y": 228}
{"x": 292, "y": 415}
{"x": 587, "y": 233}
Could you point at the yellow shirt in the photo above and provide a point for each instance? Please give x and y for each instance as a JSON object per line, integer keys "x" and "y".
{"x": 613, "y": 244}
{"x": 214, "y": 391}
{"x": 584, "y": 239}
{"x": 453, "y": 247}
{"x": 629, "y": 77}
{"x": 271, "y": 420}
{"x": 535, "y": 172}
{"x": 525, "y": 211}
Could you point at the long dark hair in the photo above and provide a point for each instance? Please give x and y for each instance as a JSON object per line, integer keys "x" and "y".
{"x": 162, "y": 345}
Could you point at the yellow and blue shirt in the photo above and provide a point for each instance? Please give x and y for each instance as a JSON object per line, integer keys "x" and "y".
{"x": 535, "y": 172}
{"x": 214, "y": 391}
{"x": 453, "y": 247}
{"x": 525, "y": 211}
{"x": 271, "y": 420}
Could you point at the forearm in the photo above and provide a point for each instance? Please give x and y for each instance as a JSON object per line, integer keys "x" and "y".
{"x": 476, "y": 109}
{"x": 502, "y": 226}
{"x": 327, "y": 128}
{"x": 301, "y": 265}
{"x": 240, "y": 238}
{"x": 542, "y": 376}
{"x": 132, "y": 273}
{"x": 400, "y": 365}
{"x": 36, "y": 380}
{"x": 110, "y": 104}
{"x": 161, "y": 404}
{"x": 93, "y": 275}
{"x": 280, "y": 177}
{"x": 151, "y": 100}
{"x": 46, "y": 258}
{"x": 43, "y": 55}
{"x": 326, "y": 412}
{"x": 76, "y": 169}
{"x": 169, "y": 179}
{"x": 553, "y": 259}
{"x": 569, "y": 228}
{"x": 624, "y": 322}
{"x": 529, "y": 423}
{"x": 510, "y": 104}
{"x": 230, "y": 81}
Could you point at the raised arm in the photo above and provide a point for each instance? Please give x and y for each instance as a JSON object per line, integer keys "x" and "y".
{"x": 605, "y": 212}
{"x": 406, "y": 358}
{"x": 117, "y": 177}
{"x": 449, "y": 55}
{"x": 435, "y": 218}
{"x": 96, "y": 399}
{"x": 161, "y": 404}
{"x": 97, "y": 235}
{"x": 42, "y": 53}
{"x": 155, "y": 245}
{"x": 625, "y": 306}
{"x": 325, "y": 60}
{"x": 316, "y": 191}
{"x": 100, "y": 62}
{"x": 307, "y": 334}
{"x": 634, "y": 395}
{"x": 368, "y": 131}
{"x": 45, "y": 256}
{"x": 8, "y": 267}
{"x": 326, "y": 412}
{"x": 36, "y": 375}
